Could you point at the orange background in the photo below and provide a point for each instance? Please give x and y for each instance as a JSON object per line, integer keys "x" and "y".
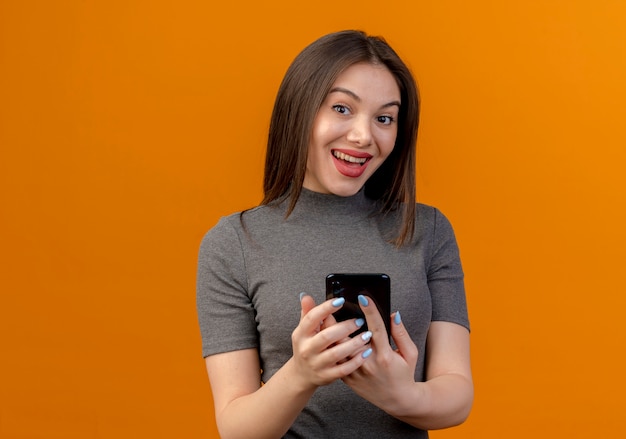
{"x": 128, "y": 127}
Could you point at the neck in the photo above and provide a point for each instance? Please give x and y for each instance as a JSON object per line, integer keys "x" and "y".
{"x": 329, "y": 208}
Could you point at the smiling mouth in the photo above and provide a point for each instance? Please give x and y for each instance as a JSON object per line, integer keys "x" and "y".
{"x": 350, "y": 159}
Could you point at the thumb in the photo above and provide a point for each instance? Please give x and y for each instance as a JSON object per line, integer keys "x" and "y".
{"x": 307, "y": 303}
{"x": 406, "y": 346}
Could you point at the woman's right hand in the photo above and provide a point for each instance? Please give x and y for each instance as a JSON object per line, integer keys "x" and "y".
{"x": 322, "y": 352}
{"x": 322, "y": 349}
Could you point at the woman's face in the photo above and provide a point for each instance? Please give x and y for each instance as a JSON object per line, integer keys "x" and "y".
{"x": 354, "y": 130}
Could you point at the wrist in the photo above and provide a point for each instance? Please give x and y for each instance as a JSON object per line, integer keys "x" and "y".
{"x": 411, "y": 401}
{"x": 296, "y": 380}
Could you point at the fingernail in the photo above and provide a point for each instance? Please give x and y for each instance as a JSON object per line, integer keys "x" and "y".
{"x": 397, "y": 319}
{"x": 367, "y": 353}
{"x": 359, "y": 322}
{"x": 301, "y": 296}
{"x": 363, "y": 300}
{"x": 338, "y": 302}
{"x": 366, "y": 336}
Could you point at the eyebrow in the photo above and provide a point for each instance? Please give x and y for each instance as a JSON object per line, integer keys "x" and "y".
{"x": 358, "y": 99}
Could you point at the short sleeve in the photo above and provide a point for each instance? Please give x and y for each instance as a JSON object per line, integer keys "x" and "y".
{"x": 445, "y": 275}
{"x": 225, "y": 312}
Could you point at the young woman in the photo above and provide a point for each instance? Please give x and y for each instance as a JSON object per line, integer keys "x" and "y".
{"x": 339, "y": 197}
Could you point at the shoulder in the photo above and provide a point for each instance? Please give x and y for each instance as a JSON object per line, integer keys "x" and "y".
{"x": 430, "y": 217}
{"x": 432, "y": 227}
{"x": 233, "y": 228}
{"x": 225, "y": 228}
{"x": 424, "y": 212}
{"x": 237, "y": 221}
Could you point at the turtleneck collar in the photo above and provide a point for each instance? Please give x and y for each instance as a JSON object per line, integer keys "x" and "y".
{"x": 331, "y": 209}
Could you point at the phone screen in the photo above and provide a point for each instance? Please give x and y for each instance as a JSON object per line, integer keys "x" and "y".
{"x": 377, "y": 286}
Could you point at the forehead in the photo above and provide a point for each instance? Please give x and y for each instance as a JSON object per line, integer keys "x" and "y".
{"x": 372, "y": 80}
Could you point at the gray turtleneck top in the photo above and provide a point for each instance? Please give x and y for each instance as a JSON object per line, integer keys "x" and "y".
{"x": 253, "y": 266}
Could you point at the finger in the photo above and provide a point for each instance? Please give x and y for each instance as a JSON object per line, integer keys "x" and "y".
{"x": 312, "y": 316}
{"x": 360, "y": 357}
{"x": 346, "y": 352}
{"x": 329, "y": 321}
{"x": 406, "y": 346}
{"x": 339, "y": 334}
{"x": 375, "y": 322}
{"x": 307, "y": 303}
{"x": 351, "y": 365}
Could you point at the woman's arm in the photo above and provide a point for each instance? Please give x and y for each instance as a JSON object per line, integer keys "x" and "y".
{"x": 445, "y": 398}
{"x": 387, "y": 379}
{"x": 245, "y": 409}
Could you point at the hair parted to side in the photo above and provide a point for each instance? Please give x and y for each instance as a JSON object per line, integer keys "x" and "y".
{"x": 308, "y": 80}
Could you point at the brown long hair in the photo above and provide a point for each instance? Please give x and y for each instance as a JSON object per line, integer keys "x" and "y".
{"x": 308, "y": 80}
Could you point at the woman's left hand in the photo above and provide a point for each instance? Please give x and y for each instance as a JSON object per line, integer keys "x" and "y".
{"x": 388, "y": 373}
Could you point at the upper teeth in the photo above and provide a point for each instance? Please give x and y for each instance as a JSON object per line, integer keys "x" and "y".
{"x": 349, "y": 158}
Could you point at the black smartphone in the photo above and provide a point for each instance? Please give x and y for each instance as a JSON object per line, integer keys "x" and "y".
{"x": 376, "y": 286}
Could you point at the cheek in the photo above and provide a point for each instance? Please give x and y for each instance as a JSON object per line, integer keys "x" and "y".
{"x": 327, "y": 135}
{"x": 387, "y": 143}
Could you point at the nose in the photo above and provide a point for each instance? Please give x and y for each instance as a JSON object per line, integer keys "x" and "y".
{"x": 360, "y": 132}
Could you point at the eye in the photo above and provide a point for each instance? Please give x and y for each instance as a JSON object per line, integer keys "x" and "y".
{"x": 385, "y": 120}
{"x": 341, "y": 109}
